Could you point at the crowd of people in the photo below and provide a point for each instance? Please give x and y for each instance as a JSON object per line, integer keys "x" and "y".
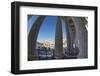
{"x": 45, "y": 53}
{"x": 48, "y": 53}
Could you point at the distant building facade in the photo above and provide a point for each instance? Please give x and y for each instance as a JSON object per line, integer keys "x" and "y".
{"x": 50, "y": 44}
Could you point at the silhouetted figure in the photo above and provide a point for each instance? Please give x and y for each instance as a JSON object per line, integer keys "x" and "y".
{"x": 72, "y": 52}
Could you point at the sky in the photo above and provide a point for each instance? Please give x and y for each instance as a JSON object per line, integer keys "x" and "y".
{"x": 48, "y": 27}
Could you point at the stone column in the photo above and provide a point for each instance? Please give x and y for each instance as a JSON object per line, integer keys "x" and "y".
{"x": 32, "y": 39}
{"x": 72, "y": 32}
{"x": 59, "y": 40}
{"x": 29, "y": 16}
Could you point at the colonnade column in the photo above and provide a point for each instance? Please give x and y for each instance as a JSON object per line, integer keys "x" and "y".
{"x": 59, "y": 40}
{"x": 32, "y": 39}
